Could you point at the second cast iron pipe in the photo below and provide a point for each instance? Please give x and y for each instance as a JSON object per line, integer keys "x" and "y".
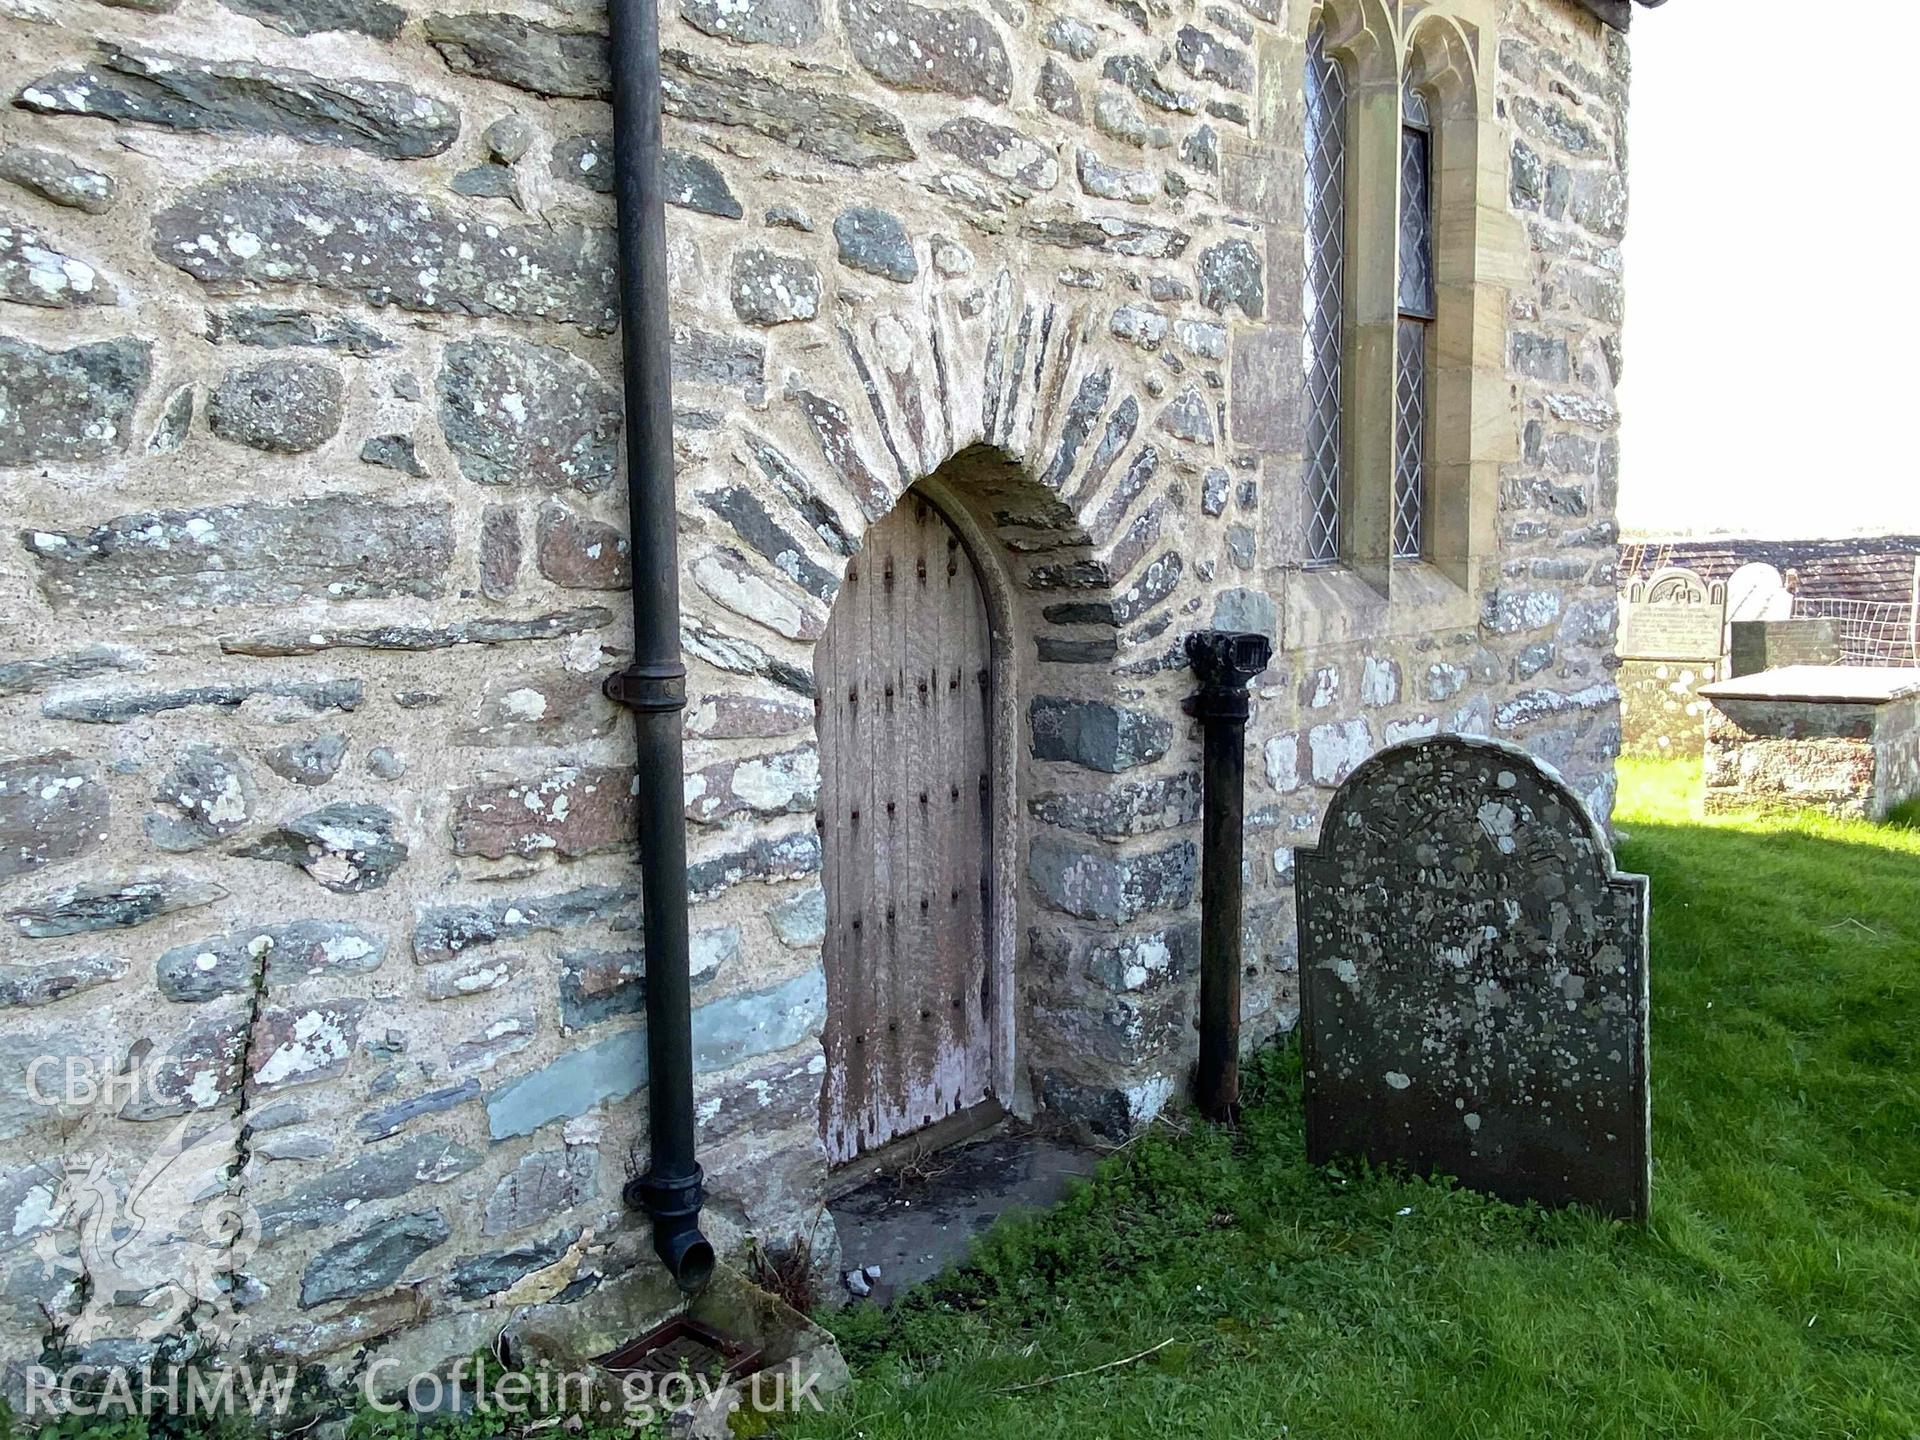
{"x": 1225, "y": 663}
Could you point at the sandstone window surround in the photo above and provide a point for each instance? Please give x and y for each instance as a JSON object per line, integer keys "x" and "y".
{"x": 1402, "y": 449}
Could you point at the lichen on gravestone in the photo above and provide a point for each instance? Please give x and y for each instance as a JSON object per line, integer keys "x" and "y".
{"x": 1474, "y": 980}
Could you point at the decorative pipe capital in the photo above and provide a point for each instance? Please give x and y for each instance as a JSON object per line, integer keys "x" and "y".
{"x": 1225, "y": 662}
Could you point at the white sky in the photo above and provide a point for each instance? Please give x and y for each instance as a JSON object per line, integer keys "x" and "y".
{"x": 1771, "y": 365}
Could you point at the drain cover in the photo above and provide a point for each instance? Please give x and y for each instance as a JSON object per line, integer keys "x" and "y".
{"x": 682, "y": 1346}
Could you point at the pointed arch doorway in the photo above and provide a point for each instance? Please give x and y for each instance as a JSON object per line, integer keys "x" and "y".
{"x": 904, "y": 676}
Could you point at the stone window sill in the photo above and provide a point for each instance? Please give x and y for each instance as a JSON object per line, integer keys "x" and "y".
{"x": 1338, "y": 605}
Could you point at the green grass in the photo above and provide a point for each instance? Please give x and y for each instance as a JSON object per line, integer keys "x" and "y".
{"x": 1776, "y": 1293}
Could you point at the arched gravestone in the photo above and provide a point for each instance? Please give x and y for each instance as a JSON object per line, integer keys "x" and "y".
{"x": 1758, "y": 591}
{"x": 1674, "y": 614}
{"x": 1474, "y": 980}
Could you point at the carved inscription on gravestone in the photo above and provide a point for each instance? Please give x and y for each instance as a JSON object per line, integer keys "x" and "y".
{"x": 1474, "y": 980}
{"x": 1673, "y": 615}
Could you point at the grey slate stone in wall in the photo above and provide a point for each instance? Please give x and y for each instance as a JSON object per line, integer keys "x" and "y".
{"x": 1474, "y": 980}
{"x": 819, "y": 122}
{"x": 72, "y": 404}
{"x": 210, "y": 795}
{"x": 179, "y": 92}
{"x": 1096, "y": 734}
{"x": 25, "y": 677}
{"x": 489, "y": 1274}
{"x": 875, "y": 241}
{"x": 443, "y": 932}
{"x": 36, "y": 270}
{"x": 357, "y": 237}
{"x": 549, "y": 60}
{"x": 694, "y": 182}
{"x": 280, "y": 327}
{"x": 32, "y": 986}
{"x": 486, "y": 630}
{"x": 787, "y": 857}
{"x": 542, "y": 1185}
{"x": 283, "y": 406}
{"x": 759, "y": 1022}
{"x": 609, "y": 1069}
{"x": 57, "y": 178}
{"x": 392, "y": 1119}
{"x": 1230, "y": 274}
{"x": 1206, "y": 57}
{"x": 769, "y": 288}
{"x": 382, "y": 1172}
{"x": 1102, "y": 885}
{"x": 282, "y": 954}
{"x": 333, "y": 547}
{"x": 126, "y": 707}
{"x": 313, "y": 17}
{"x": 1110, "y": 234}
{"x": 915, "y": 47}
{"x": 1117, "y": 811}
{"x": 307, "y": 762}
{"x": 348, "y": 848}
{"x": 755, "y": 22}
{"x": 999, "y": 151}
{"x": 92, "y": 906}
{"x": 533, "y": 415}
{"x": 52, "y": 807}
{"x": 175, "y": 424}
{"x": 394, "y": 452}
{"x": 373, "y": 1259}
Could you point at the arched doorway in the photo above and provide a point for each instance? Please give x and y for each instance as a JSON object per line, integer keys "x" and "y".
{"x": 904, "y": 679}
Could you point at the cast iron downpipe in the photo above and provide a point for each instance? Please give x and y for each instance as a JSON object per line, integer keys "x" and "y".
{"x": 1224, "y": 662}
{"x": 654, "y": 686}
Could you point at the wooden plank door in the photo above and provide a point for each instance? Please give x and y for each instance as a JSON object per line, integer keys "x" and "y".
{"x": 902, "y": 676}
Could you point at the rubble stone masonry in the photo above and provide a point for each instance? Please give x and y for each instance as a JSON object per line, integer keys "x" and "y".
{"x": 311, "y": 809}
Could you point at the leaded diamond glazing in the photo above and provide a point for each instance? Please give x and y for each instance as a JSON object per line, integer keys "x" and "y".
{"x": 1414, "y": 104}
{"x": 1417, "y": 311}
{"x": 1410, "y": 441}
{"x": 1325, "y": 284}
{"x": 1416, "y": 222}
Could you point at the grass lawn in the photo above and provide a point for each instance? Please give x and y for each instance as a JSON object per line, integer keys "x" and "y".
{"x": 1777, "y": 1292}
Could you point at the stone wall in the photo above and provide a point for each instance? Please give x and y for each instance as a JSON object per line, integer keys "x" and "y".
{"x": 1855, "y": 759}
{"x": 1662, "y": 714}
{"x": 309, "y": 422}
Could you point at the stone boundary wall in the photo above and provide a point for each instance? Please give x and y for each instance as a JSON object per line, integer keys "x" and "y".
{"x": 1662, "y": 714}
{"x": 309, "y": 428}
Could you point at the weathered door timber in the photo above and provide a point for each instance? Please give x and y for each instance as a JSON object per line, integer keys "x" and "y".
{"x": 902, "y": 678}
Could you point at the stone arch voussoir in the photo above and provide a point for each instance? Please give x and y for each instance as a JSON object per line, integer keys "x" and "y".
{"x": 1018, "y": 395}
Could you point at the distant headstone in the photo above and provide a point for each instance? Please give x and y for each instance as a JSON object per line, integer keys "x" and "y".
{"x": 1758, "y": 591}
{"x": 1474, "y": 980}
{"x": 1673, "y": 615}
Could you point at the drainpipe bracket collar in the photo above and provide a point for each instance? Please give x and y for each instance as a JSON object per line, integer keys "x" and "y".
{"x": 671, "y": 1198}
{"x": 656, "y": 688}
